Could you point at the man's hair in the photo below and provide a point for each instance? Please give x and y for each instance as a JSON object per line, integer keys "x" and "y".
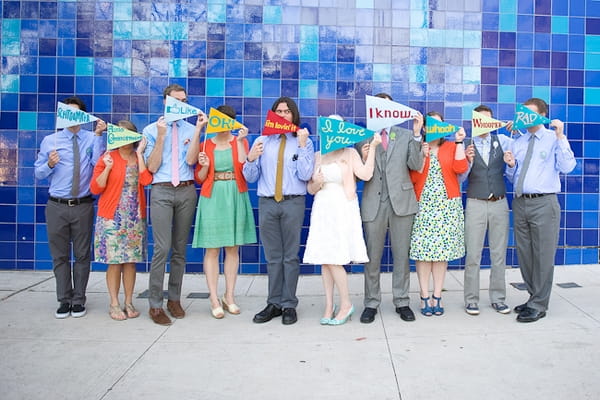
{"x": 291, "y": 105}
{"x": 482, "y": 107}
{"x": 172, "y": 88}
{"x": 77, "y": 101}
{"x": 227, "y": 110}
{"x": 383, "y": 95}
{"x": 541, "y": 105}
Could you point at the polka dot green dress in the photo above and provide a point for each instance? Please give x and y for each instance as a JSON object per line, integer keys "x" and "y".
{"x": 438, "y": 229}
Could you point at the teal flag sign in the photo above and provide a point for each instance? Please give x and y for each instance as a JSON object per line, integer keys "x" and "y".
{"x": 435, "y": 129}
{"x": 67, "y": 116}
{"x": 525, "y": 118}
{"x": 336, "y": 134}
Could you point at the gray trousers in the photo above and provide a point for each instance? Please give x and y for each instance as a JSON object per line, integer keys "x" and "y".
{"x": 493, "y": 217}
{"x": 66, "y": 225}
{"x": 172, "y": 212}
{"x": 280, "y": 226}
{"x": 400, "y": 228}
{"x": 536, "y": 227}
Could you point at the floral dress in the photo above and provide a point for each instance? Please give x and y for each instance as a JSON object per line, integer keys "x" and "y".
{"x": 438, "y": 229}
{"x": 123, "y": 239}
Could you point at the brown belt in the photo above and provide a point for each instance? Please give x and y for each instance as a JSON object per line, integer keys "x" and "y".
{"x": 493, "y": 198}
{"x": 181, "y": 184}
{"x": 225, "y": 176}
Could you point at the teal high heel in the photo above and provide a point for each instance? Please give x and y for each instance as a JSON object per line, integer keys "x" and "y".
{"x": 427, "y": 310}
{"x": 437, "y": 310}
{"x": 324, "y": 320}
{"x": 342, "y": 321}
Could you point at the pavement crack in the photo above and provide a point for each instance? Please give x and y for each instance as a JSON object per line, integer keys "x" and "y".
{"x": 26, "y": 288}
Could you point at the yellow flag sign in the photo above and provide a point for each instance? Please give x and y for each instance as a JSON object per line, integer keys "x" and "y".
{"x": 481, "y": 124}
{"x": 117, "y": 136}
{"x": 219, "y": 122}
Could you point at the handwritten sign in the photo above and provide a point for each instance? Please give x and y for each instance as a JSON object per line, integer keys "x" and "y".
{"x": 435, "y": 129}
{"x": 336, "y": 134}
{"x": 67, "y": 116}
{"x": 219, "y": 122}
{"x": 383, "y": 113}
{"x": 117, "y": 136}
{"x": 176, "y": 110}
{"x": 525, "y": 118}
{"x": 276, "y": 125}
{"x": 482, "y": 124}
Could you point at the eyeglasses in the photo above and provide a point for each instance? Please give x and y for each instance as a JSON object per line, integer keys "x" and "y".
{"x": 285, "y": 112}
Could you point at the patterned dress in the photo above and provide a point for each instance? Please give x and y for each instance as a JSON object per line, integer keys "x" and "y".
{"x": 438, "y": 230}
{"x": 225, "y": 218}
{"x": 123, "y": 239}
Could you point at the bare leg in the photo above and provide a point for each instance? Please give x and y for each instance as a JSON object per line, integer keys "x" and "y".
{"x": 230, "y": 267}
{"x": 113, "y": 282}
{"x": 340, "y": 279}
{"x": 328, "y": 286}
{"x": 439, "y": 274}
{"x": 128, "y": 281}
{"x": 211, "y": 271}
{"x": 424, "y": 269}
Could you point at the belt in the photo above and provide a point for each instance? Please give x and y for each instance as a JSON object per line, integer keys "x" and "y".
{"x": 535, "y": 195}
{"x": 493, "y": 198}
{"x": 181, "y": 184}
{"x": 72, "y": 202}
{"x": 287, "y": 197}
{"x": 225, "y": 176}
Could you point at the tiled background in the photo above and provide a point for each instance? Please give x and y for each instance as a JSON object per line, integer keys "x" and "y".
{"x": 445, "y": 55}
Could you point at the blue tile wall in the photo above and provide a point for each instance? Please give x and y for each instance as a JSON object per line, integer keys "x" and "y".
{"x": 442, "y": 55}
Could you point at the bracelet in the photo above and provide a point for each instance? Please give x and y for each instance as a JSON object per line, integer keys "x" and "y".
{"x": 458, "y": 142}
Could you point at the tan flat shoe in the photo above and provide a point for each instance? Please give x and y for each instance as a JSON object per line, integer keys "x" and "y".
{"x": 131, "y": 311}
{"x": 230, "y": 308}
{"x": 116, "y": 313}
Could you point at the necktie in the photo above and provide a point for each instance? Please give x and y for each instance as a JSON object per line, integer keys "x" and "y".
{"x": 76, "y": 168}
{"x": 174, "y": 155}
{"x": 384, "y": 139}
{"x": 279, "y": 174}
{"x": 519, "y": 187}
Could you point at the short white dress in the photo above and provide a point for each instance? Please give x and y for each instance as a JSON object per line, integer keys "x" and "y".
{"x": 335, "y": 235}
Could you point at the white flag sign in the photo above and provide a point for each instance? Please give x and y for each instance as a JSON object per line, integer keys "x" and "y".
{"x": 383, "y": 113}
{"x": 176, "y": 110}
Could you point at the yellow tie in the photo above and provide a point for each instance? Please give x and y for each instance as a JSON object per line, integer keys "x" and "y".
{"x": 279, "y": 174}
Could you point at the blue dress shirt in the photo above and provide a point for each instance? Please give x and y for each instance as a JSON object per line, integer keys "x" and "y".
{"x": 91, "y": 147}
{"x": 550, "y": 158}
{"x": 185, "y": 133}
{"x": 298, "y": 163}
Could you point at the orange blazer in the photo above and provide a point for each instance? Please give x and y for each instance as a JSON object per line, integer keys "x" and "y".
{"x": 111, "y": 194}
{"x": 451, "y": 168}
{"x": 207, "y": 183}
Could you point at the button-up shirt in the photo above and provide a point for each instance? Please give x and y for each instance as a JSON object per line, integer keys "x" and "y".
{"x": 185, "y": 133}
{"x": 550, "y": 158}
{"x": 60, "y": 177}
{"x": 298, "y": 163}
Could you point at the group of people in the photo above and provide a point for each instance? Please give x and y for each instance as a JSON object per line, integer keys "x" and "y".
{"x": 411, "y": 194}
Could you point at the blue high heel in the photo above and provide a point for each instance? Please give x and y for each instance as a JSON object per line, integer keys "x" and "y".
{"x": 427, "y": 310}
{"x": 437, "y": 310}
{"x": 342, "y": 321}
{"x": 324, "y": 320}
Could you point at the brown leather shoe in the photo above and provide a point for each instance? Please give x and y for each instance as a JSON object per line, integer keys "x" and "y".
{"x": 175, "y": 309}
{"x": 159, "y": 317}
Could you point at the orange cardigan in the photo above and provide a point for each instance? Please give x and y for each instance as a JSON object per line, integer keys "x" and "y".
{"x": 111, "y": 194}
{"x": 451, "y": 168}
{"x": 207, "y": 184}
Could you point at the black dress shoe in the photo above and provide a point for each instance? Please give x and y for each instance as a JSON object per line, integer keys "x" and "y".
{"x": 368, "y": 315}
{"x": 271, "y": 311}
{"x": 530, "y": 315}
{"x": 520, "y": 308}
{"x": 405, "y": 313}
{"x": 289, "y": 316}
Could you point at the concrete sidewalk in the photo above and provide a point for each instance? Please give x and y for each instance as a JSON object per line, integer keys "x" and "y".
{"x": 455, "y": 356}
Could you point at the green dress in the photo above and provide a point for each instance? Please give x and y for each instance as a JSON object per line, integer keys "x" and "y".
{"x": 438, "y": 229}
{"x": 225, "y": 219}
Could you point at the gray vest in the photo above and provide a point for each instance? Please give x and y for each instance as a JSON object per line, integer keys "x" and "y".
{"x": 487, "y": 179}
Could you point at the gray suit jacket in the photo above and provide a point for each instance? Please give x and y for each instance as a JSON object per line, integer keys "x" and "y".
{"x": 403, "y": 153}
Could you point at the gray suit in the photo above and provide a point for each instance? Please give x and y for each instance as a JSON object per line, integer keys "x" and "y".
{"x": 389, "y": 201}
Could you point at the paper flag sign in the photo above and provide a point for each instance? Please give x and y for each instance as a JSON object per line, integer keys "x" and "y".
{"x": 383, "y": 113}
{"x": 117, "y": 136}
{"x": 176, "y": 110}
{"x": 277, "y": 125}
{"x": 435, "y": 129}
{"x": 219, "y": 122}
{"x": 336, "y": 134}
{"x": 525, "y": 118}
{"x": 67, "y": 116}
{"x": 481, "y": 124}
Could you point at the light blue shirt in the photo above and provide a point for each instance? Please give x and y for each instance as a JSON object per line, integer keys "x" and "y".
{"x": 550, "y": 158}
{"x": 298, "y": 163}
{"x": 60, "y": 177}
{"x": 185, "y": 133}
{"x": 485, "y": 146}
